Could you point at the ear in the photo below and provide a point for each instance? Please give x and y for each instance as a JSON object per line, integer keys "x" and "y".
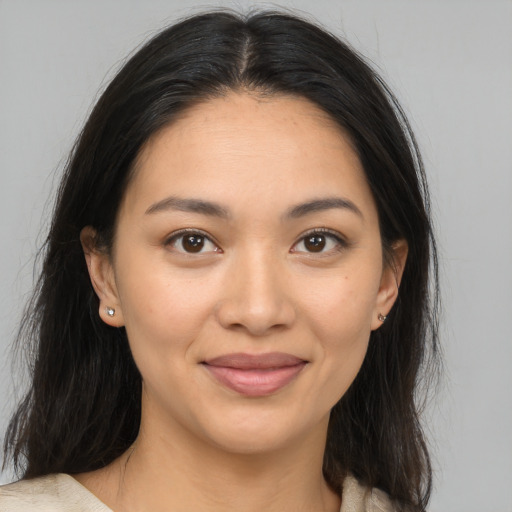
{"x": 102, "y": 277}
{"x": 390, "y": 282}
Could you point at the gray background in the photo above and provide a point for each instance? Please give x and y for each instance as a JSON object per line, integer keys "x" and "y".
{"x": 450, "y": 62}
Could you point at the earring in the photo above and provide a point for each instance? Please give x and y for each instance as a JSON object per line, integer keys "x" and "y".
{"x": 110, "y": 311}
{"x": 381, "y": 317}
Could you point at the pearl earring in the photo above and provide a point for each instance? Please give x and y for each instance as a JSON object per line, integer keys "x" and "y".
{"x": 381, "y": 317}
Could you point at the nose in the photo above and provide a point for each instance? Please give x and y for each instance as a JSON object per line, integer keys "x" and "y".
{"x": 255, "y": 298}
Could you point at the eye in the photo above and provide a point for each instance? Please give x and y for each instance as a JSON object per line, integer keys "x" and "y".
{"x": 319, "y": 241}
{"x": 191, "y": 242}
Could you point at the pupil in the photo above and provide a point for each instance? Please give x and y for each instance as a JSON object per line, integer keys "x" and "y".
{"x": 315, "y": 243}
{"x": 193, "y": 243}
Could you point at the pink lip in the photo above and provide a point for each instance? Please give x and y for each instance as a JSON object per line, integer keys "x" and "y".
{"x": 255, "y": 375}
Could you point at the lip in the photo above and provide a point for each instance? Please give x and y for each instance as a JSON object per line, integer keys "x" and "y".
{"x": 255, "y": 375}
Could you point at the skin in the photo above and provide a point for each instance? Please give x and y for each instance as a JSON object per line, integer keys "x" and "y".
{"x": 255, "y": 287}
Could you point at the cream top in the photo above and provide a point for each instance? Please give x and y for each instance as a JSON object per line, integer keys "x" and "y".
{"x": 62, "y": 493}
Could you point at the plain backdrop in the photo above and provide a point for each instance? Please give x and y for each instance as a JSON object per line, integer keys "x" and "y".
{"x": 450, "y": 63}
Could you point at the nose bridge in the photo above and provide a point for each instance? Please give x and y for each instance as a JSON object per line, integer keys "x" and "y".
{"x": 255, "y": 296}
{"x": 258, "y": 278}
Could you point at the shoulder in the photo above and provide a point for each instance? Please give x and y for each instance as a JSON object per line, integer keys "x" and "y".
{"x": 359, "y": 498}
{"x": 51, "y": 493}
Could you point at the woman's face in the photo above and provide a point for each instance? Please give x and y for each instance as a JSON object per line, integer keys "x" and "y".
{"x": 247, "y": 269}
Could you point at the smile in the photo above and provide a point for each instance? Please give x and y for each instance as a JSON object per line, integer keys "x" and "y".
{"x": 255, "y": 375}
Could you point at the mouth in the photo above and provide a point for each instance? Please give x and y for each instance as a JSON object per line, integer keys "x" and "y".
{"x": 255, "y": 375}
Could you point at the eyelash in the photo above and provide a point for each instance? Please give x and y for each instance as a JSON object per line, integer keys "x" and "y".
{"x": 341, "y": 242}
{"x": 174, "y": 237}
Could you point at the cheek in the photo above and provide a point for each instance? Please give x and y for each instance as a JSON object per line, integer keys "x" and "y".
{"x": 340, "y": 316}
{"x": 164, "y": 310}
{"x": 342, "y": 308}
{"x": 164, "y": 318}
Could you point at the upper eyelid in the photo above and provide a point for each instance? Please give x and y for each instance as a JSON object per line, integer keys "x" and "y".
{"x": 184, "y": 231}
{"x": 175, "y": 235}
{"x": 323, "y": 231}
{"x": 341, "y": 240}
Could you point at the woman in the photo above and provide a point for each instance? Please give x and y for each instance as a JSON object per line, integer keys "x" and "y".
{"x": 239, "y": 289}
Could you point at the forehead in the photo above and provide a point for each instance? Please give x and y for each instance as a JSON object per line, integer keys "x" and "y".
{"x": 278, "y": 147}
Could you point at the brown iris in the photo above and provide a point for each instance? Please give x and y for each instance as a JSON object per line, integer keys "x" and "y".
{"x": 193, "y": 243}
{"x": 314, "y": 243}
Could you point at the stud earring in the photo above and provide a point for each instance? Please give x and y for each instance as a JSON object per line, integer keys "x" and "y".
{"x": 110, "y": 311}
{"x": 381, "y": 317}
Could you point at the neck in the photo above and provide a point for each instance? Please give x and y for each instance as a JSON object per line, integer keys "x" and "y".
{"x": 176, "y": 474}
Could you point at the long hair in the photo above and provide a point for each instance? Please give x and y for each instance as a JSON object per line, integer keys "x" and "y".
{"x": 82, "y": 409}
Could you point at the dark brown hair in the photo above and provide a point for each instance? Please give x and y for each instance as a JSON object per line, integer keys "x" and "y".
{"x": 83, "y": 406}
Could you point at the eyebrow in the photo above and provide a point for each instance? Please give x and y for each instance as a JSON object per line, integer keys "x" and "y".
{"x": 318, "y": 205}
{"x": 189, "y": 205}
{"x": 216, "y": 210}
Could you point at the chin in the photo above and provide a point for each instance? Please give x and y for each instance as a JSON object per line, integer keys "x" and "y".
{"x": 256, "y": 433}
{"x": 253, "y": 444}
